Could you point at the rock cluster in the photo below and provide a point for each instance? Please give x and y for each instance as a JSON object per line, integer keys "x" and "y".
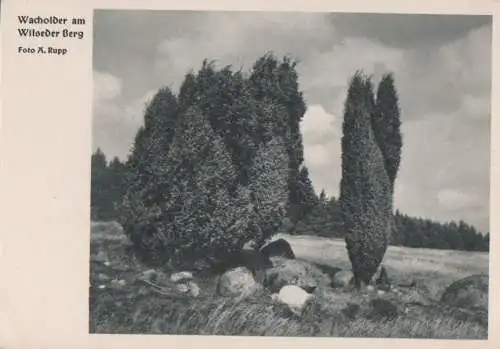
{"x": 274, "y": 274}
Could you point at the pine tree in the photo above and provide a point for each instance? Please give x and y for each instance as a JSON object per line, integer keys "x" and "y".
{"x": 365, "y": 194}
{"x": 116, "y": 173}
{"x": 98, "y": 184}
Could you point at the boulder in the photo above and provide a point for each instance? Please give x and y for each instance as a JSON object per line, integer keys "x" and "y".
{"x": 294, "y": 297}
{"x": 342, "y": 278}
{"x": 252, "y": 260}
{"x": 278, "y": 248}
{"x": 294, "y": 272}
{"x": 237, "y": 282}
{"x": 468, "y": 293}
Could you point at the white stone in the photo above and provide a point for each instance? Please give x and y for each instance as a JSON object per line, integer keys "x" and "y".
{"x": 237, "y": 282}
{"x": 183, "y": 275}
{"x": 194, "y": 289}
{"x": 294, "y": 297}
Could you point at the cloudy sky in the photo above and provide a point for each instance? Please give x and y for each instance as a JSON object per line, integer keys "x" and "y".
{"x": 442, "y": 68}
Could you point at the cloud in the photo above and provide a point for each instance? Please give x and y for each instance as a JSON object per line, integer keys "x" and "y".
{"x": 317, "y": 155}
{"x": 106, "y": 86}
{"x": 327, "y": 73}
{"x": 115, "y": 123}
{"x": 317, "y": 122}
{"x": 321, "y": 138}
{"x": 239, "y": 39}
{"x": 454, "y": 199}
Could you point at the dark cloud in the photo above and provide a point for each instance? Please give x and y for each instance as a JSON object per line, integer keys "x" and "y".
{"x": 407, "y": 30}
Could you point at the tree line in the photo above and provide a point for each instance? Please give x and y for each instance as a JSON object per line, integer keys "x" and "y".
{"x": 221, "y": 163}
{"x": 325, "y": 220}
{"x": 321, "y": 217}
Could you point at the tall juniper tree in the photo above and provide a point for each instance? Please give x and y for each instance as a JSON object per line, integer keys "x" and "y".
{"x": 277, "y": 81}
{"x": 153, "y": 139}
{"x": 386, "y": 125}
{"x": 306, "y": 199}
{"x": 365, "y": 190}
{"x": 196, "y": 213}
{"x": 268, "y": 187}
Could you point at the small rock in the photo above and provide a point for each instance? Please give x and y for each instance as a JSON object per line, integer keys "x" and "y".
{"x": 102, "y": 287}
{"x": 380, "y": 292}
{"x": 103, "y": 277}
{"x": 182, "y": 288}
{"x": 118, "y": 283}
{"x": 181, "y": 276}
{"x": 370, "y": 288}
{"x": 294, "y": 297}
{"x": 381, "y": 278}
{"x": 342, "y": 278}
{"x": 107, "y": 263}
{"x": 194, "y": 289}
{"x": 148, "y": 275}
{"x": 237, "y": 282}
{"x": 250, "y": 246}
{"x": 278, "y": 248}
{"x": 294, "y": 272}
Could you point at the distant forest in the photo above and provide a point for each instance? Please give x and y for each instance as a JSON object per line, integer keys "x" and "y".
{"x": 320, "y": 217}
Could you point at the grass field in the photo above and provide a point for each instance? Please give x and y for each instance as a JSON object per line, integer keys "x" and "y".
{"x": 435, "y": 268}
{"x": 130, "y": 310}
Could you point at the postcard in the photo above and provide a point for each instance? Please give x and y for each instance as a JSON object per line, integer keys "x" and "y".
{"x": 286, "y": 174}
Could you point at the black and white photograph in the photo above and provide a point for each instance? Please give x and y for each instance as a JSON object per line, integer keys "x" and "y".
{"x": 290, "y": 174}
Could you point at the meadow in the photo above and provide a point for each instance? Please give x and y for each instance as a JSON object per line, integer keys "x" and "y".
{"x": 434, "y": 268}
{"x": 131, "y": 308}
